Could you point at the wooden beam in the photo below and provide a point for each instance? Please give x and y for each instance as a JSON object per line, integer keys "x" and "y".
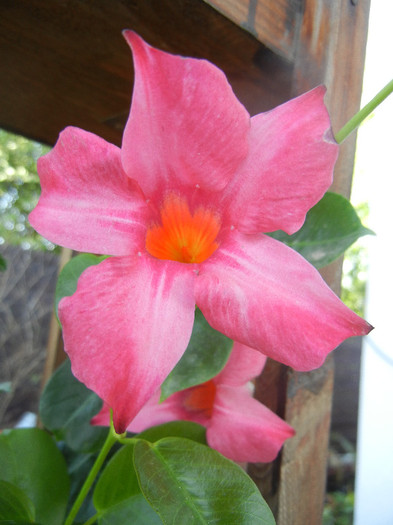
{"x": 274, "y": 24}
{"x": 330, "y": 50}
{"x": 66, "y": 63}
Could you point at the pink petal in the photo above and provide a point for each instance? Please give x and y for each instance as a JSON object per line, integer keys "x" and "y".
{"x": 88, "y": 203}
{"x": 243, "y": 429}
{"x": 186, "y": 127}
{"x": 152, "y": 413}
{"x": 156, "y": 413}
{"x": 102, "y": 419}
{"x": 261, "y": 293}
{"x": 288, "y": 169}
{"x": 126, "y": 327}
{"x": 243, "y": 364}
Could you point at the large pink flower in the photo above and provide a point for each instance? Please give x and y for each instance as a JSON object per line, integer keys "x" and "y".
{"x": 181, "y": 207}
{"x": 238, "y": 426}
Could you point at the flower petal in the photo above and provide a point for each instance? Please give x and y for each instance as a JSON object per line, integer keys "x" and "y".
{"x": 88, "y": 203}
{"x": 244, "y": 430}
{"x": 152, "y": 413}
{"x": 288, "y": 169}
{"x": 243, "y": 364}
{"x": 126, "y": 327}
{"x": 156, "y": 413}
{"x": 186, "y": 127}
{"x": 261, "y": 293}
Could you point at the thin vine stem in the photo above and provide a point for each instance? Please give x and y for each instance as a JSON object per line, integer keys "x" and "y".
{"x": 91, "y": 520}
{"x": 111, "y": 439}
{"x": 357, "y": 119}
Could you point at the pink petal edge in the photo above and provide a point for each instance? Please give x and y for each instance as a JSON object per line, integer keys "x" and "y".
{"x": 87, "y": 202}
{"x": 263, "y": 294}
{"x": 191, "y": 133}
{"x": 243, "y": 429}
{"x": 151, "y": 304}
{"x": 288, "y": 169}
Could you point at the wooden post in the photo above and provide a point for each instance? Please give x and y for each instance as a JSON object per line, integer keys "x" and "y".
{"x": 330, "y": 50}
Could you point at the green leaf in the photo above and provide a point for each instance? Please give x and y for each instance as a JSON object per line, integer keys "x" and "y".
{"x": 118, "y": 481}
{"x": 69, "y": 275}
{"x": 184, "y": 429}
{"x": 135, "y": 510}
{"x": 331, "y": 226}
{"x": 3, "y": 264}
{"x": 14, "y": 503}
{"x": 186, "y": 482}
{"x": 30, "y": 460}
{"x": 206, "y": 355}
{"x": 66, "y": 407}
{"x": 117, "y": 496}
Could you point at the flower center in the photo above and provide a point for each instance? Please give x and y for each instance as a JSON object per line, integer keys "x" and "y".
{"x": 183, "y": 237}
{"x": 200, "y": 398}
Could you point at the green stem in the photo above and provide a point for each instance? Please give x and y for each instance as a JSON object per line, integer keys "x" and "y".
{"x": 356, "y": 120}
{"x": 111, "y": 439}
{"x": 91, "y": 520}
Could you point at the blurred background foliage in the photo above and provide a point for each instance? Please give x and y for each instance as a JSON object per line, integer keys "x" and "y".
{"x": 19, "y": 191}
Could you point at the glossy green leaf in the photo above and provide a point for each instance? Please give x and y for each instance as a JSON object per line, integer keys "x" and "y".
{"x": 184, "y": 429}
{"x": 118, "y": 481}
{"x": 117, "y": 495}
{"x": 3, "y": 264}
{"x": 134, "y": 510}
{"x": 66, "y": 407}
{"x": 17, "y": 522}
{"x": 14, "y": 503}
{"x": 69, "y": 275}
{"x": 331, "y": 226}
{"x": 30, "y": 460}
{"x": 79, "y": 465}
{"x": 206, "y": 355}
{"x": 186, "y": 482}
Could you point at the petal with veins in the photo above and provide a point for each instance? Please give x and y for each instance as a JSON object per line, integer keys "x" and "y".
{"x": 186, "y": 127}
{"x": 263, "y": 294}
{"x": 126, "y": 327}
{"x": 288, "y": 169}
{"x": 88, "y": 203}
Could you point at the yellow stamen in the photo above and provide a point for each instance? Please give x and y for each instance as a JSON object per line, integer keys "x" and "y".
{"x": 183, "y": 237}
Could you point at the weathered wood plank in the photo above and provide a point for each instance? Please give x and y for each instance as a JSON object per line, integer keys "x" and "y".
{"x": 272, "y": 23}
{"x": 330, "y": 50}
{"x": 66, "y": 63}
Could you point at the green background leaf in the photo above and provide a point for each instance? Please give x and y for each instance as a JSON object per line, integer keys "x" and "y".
{"x": 117, "y": 496}
{"x": 14, "y": 503}
{"x": 66, "y": 407}
{"x": 118, "y": 481}
{"x": 184, "y": 429}
{"x": 134, "y": 510}
{"x": 206, "y": 355}
{"x": 69, "y": 275}
{"x": 186, "y": 482}
{"x": 331, "y": 226}
{"x": 30, "y": 460}
{"x": 3, "y": 264}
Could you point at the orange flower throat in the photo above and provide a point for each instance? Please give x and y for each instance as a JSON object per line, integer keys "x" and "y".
{"x": 200, "y": 398}
{"x": 183, "y": 237}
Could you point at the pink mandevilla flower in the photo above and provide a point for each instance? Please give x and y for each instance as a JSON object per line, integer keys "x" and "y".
{"x": 181, "y": 207}
{"x": 238, "y": 426}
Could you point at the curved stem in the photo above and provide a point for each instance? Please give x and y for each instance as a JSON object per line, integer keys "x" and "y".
{"x": 357, "y": 119}
{"x": 111, "y": 439}
{"x": 91, "y": 520}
